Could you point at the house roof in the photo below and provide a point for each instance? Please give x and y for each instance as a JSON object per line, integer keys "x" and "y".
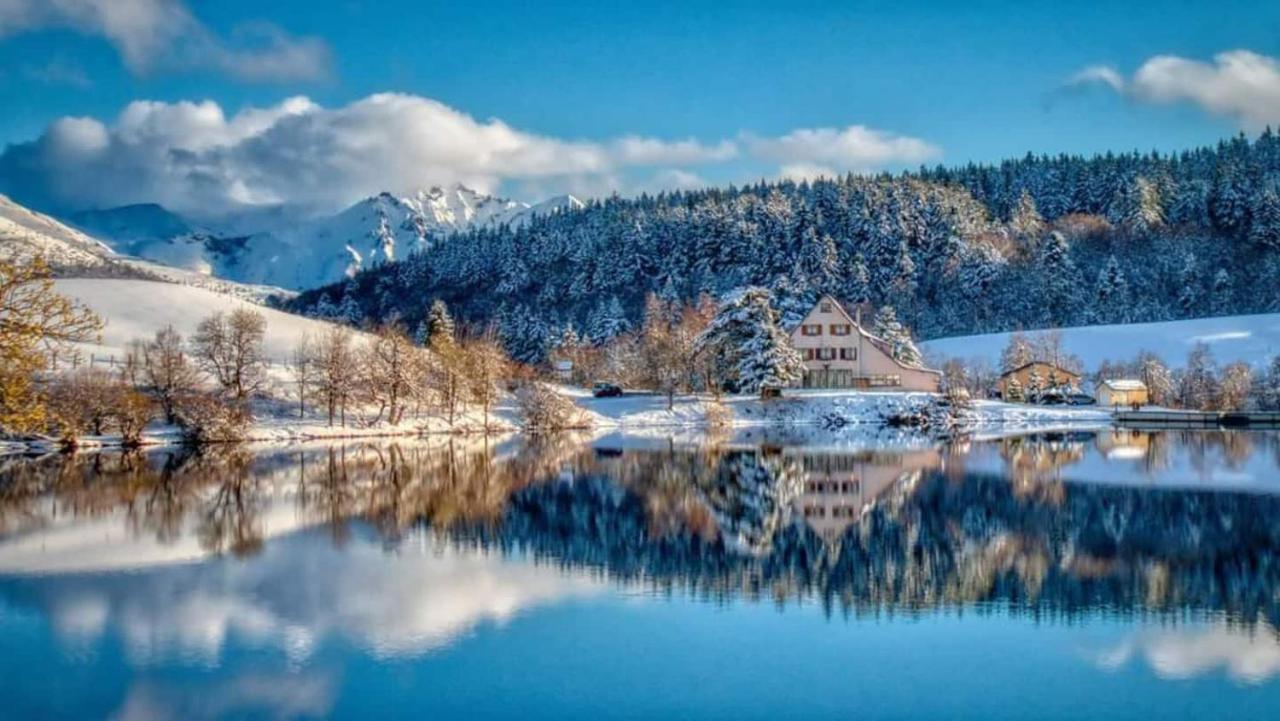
{"x": 1025, "y": 366}
{"x": 875, "y": 340}
{"x": 1125, "y": 384}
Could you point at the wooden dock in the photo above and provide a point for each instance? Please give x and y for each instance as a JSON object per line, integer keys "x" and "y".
{"x": 1198, "y": 419}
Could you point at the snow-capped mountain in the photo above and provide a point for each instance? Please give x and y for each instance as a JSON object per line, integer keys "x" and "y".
{"x": 306, "y": 253}
{"x": 25, "y": 234}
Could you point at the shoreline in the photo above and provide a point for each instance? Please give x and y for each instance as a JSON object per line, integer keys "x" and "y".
{"x": 798, "y": 414}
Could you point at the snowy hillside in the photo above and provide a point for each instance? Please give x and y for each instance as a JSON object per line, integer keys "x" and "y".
{"x": 313, "y": 252}
{"x": 138, "y": 308}
{"x": 1250, "y": 338}
{"x": 25, "y": 234}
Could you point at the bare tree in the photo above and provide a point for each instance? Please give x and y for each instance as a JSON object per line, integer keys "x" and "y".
{"x": 229, "y": 347}
{"x": 486, "y": 364}
{"x": 166, "y": 374}
{"x": 335, "y": 363}
{"x": 449, "y": 376}
{"x": 388, "y": 367}
{"x": 303, "y": 368}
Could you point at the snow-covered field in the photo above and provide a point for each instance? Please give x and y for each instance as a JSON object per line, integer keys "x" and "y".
{"x": 138, "y": 308}
{"x": 1250, "y": 338}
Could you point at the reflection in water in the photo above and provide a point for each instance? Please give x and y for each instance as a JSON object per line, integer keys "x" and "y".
{"x": 858, "y": 529}
{"x": 274, "y": 548}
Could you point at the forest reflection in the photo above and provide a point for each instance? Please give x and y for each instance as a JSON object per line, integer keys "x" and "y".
{"x": 862, "y": 531}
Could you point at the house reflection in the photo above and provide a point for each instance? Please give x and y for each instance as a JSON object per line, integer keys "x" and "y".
{"x": 838, "y": 486}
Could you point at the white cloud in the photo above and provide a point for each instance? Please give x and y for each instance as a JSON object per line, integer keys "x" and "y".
{"x": 164, "y": 34}
{"x": 857, "y": 148}
{"x": 1247, "y": 656}
{"x": 1239, "y": 84}
{"x": 1098, "y": 74}
{"x": 193, "y": 157}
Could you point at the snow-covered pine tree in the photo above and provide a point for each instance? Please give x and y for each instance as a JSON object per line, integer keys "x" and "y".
{"x": 608, "y": 321}
{"x": 1136, "y": 207}
{"x": 857, "y": 281}
{"x": 1013, "y": 391}
{"x": 747, "y": 333}
{"x": 903, "y": 349}
{"x": 1026, "y": 222}
{"x": 438, "y": 325}
{"x": 1264, "y": 220}
{"x": 1220, "y": 296}
{"x": 1111, "y": 300}
{"x": 1189, "y": 288}
{"x": 1059, "y": 281}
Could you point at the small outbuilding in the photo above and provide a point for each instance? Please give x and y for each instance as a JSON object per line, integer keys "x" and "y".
{"x": 1123, "y": 392}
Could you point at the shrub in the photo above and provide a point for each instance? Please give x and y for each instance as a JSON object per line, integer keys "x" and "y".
{"x": 206, "y": 418}
{"x": 543, "y": 409}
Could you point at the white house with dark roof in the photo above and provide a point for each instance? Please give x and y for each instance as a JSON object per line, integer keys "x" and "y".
{"x": 839, "y": 353}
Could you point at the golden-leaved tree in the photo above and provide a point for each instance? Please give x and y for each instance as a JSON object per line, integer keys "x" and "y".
{"x": 35, "y": 323}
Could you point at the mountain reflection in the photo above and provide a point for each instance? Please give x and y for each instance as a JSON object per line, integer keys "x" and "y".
{"x": 1016, "y": 523}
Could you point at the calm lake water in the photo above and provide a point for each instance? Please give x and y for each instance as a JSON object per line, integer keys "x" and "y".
{"x": 1110, "y": 575}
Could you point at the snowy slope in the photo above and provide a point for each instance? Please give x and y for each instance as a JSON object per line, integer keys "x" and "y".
{"x": 25, "y": 234}
{"x": 304, "y": 254}
{"x": 1250, "y": 338}
{"x": 138, "y": 308}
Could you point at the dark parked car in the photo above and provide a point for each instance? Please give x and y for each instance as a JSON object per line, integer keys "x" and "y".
{"x": 606, "y": 390}
{"x": 1080, "y": 399}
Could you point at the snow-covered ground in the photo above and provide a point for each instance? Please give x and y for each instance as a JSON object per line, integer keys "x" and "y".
{"x": 136, "y": 309}
{"x": 1250, "y": 338}
{"x": 820, "y": 408}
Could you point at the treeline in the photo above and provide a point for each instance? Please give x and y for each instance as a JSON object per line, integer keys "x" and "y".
{"x": 1033, "y": 243}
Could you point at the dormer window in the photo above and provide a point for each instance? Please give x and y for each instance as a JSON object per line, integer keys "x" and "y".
{"x": 826, "y": 307}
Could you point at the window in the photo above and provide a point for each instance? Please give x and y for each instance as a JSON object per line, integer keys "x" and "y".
{"x": 849, "y": 354}
{"x": 815, "y": 329}
{"x": 841, "y": 329}
{"x": 825, "y": 306}
{"x": 826, "y": 354}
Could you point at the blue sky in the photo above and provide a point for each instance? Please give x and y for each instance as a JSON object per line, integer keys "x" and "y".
{"x": 928, "y": 81}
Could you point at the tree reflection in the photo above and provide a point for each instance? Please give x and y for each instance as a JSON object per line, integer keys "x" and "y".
{"x": 865, "y": 531}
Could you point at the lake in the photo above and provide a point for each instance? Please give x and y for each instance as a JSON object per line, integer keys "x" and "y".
{"x": 1059, "y": 575}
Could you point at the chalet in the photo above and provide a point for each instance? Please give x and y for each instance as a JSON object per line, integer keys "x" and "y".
{"x": 839, "y": 353}
{"x": 1123, "y": 392}
{"x": 839, "y": 487}
{"x": 1038, "y": 376}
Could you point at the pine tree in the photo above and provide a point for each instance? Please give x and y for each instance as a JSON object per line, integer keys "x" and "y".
{"x": 608, "y": 321}
{"x": 746, "y": 332}
{"x": 1189, "y": 287}
{"x": 857, "y": 281}
{"x": 1059, "y": 281}
{"x": 901, "y": 347}
{"x": 1013, "y": 391}
{"x": 1026, "y": 221}
{"x": 438, "y": 326}
{"x": 1264, "y": 221}
{"x": 1220, "y": 296}
{"x": 1111, "y": 301}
